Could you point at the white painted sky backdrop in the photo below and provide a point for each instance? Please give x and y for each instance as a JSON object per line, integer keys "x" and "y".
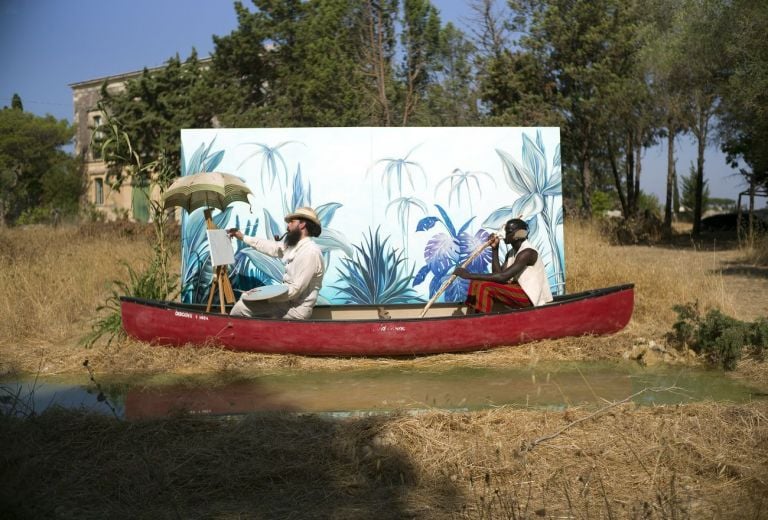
{"x": 45, "y": 45}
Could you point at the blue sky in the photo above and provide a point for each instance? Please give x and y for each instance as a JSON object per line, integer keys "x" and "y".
{"x": 45, "y": 45}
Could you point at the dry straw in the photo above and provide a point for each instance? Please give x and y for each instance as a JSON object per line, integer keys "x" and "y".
{"x": 53, "y": 280}
{"x": 697, "y": 461}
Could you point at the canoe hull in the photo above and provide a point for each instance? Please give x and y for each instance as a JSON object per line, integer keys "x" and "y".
{"x": 598, "y": 312}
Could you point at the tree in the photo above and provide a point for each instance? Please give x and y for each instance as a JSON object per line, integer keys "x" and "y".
{"x": 665, "y": 60}
{"x": 377, "y": 51}
{"x": 631, "y": 120}
{"x": 34, "y": 170}
{"x": 153, "y": 109}
{"x": 702, "y": 25}
{"x": 451, "y": 99}
{"x": 292, "y": 63}
{"x": 588, "y": 50}
{"x": 420, "y": 38}
{"x": 512, "y": 84}
{"x": 335, "y": 63}
{"x": 743, "y": 112}
{"x": 16, "y": 103}
{"x": 689, "y": 190}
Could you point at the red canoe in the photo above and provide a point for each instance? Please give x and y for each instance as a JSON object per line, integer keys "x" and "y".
{"x": 361, "y": 331}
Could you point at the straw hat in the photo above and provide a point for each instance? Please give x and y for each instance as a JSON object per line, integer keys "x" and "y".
{"x": 305, "y": 213}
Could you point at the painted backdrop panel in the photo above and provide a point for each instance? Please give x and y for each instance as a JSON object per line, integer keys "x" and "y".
{"x": 400, "y": 207}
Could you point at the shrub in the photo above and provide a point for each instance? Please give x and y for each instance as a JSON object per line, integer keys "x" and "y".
{"x": 35, "y": 215}
{"x": 151, "y": 284}
{"x": 603, "y": 201}
{"x": 719, "y": 338}
{"x": 759, "y": 337}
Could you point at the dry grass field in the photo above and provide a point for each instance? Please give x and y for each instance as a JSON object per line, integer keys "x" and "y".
{"x": 52, "y": 282}
{"x": 706, "y": 460}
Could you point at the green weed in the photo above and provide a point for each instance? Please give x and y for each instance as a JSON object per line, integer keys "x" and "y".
{"x": 719, "y": 338}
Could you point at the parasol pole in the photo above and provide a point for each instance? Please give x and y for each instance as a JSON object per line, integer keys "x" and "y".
{"x": 453, "y": 277}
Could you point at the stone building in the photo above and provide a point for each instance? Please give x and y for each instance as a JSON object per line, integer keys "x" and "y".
{"x": 111, "y": 203}
{"x": 130, "y": 201}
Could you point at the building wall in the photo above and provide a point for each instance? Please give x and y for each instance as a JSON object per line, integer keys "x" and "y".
{"x": 113, "y": 204}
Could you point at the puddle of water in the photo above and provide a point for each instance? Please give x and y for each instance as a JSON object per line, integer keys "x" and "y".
{"x": 366, "y": 392}
{"x": 35, "y": 396}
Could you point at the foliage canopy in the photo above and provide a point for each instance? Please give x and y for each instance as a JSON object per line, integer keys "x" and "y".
{"x": 35, "y": 170}
{"x": 616, "y": 76}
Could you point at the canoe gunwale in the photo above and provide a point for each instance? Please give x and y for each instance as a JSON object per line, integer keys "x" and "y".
{"x": 557, "y": 302}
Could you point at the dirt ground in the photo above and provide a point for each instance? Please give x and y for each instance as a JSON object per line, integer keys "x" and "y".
{"x": 747, "y": 283}
{"x": 750, "y": 283}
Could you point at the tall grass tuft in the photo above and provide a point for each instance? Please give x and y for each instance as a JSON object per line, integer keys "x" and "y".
{"x": 156, "y": 282}
{"x": 662, "y": 280}
{"x": 756, "y": 252}
{"x": 150, "y": 283}
{"x": 53, "y": 279}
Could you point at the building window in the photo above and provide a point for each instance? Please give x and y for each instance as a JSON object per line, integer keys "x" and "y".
{"x": 98, "y": 196}
{"x": 98, "y": 136}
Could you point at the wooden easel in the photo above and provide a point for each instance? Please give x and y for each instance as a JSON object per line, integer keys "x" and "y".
{"x": 220, "y": 278}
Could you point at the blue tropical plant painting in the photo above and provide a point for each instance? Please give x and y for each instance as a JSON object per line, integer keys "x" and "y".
{"x": 196, "y": 269}
{"x": 537, "y": 181}
{"x": 461, "y": 182}
{"x": 396, "y": 170}
{"x": 400, "y": 208}
{"x": 378, "y": 274}
{"x": 447, "y": 250}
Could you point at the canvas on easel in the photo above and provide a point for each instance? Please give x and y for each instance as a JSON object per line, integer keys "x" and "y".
{"x": 221, "y": 247}
{"x": 221, "y": 256}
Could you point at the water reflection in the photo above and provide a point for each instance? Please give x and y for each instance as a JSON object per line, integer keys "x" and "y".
{"x": 25, "y": 398}
{"x": 364, "y": 392}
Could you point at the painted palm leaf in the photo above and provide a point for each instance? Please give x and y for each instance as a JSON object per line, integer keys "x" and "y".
{"x": 396, "y": 170}
{"x": 268, "y": 269}
{"x": 202, "y": 160}
{"x": 270, "y": 159}
{"x": 460, "y": 179}
{"x": 535, "y": 161}
{"x": 333, "y": 240}
{"x": 302, "y": 196}
{"x": 519, "y": 178}
{"x": 404, "y": 205}
{"x": 271, "y": 226}
{"x": 325, "y": 212}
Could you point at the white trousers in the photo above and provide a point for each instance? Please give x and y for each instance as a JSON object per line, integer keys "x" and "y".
{"x": 261, "y": 309}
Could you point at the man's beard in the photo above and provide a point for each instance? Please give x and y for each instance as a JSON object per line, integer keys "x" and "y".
{"x": 292, "y": 237}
